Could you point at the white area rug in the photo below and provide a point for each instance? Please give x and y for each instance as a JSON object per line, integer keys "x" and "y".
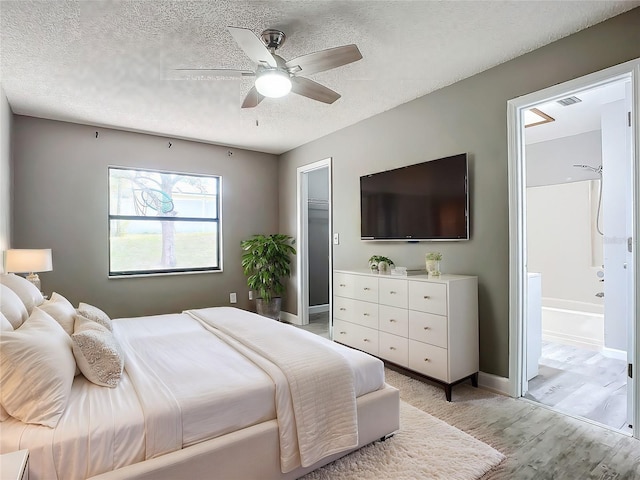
{"x": 424, "y": 448}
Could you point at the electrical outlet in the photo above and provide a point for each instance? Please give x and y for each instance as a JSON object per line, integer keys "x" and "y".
{"x": 336, "y": 239}
{"x": 233, "y": 298}
{"x": 250, "y": 294}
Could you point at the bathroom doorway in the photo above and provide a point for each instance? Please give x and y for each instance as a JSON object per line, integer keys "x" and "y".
{"x": 577, "y": 303}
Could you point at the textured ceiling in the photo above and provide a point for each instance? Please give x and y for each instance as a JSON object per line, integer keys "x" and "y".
{"x": 106, "y": 63}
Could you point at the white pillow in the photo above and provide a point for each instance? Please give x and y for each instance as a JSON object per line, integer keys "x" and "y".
{"x": 95, "y": 314}
{"x": 12, "y": 307}
{"x": 5, "y": 325}
{"x": 36, "y": 370}
{"x": 97, "y": 353}
{"x": 61, "y": 310}
{"x": 27, "y": 291}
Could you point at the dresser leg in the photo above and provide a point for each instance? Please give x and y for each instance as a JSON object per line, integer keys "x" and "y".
{"x": 474, "y": 379}
{"x": 447, "y": 392}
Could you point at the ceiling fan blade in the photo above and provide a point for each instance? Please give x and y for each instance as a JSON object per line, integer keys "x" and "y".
{"x": 252, "y": 99}
{"x": 324, "y": 60}
{"x": 253, "y": 46}
{"x": 315, "y": 91}
{"x": 206, "y": 73}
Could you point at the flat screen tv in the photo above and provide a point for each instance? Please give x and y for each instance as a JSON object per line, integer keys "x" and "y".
{"x": 425, "y": 201}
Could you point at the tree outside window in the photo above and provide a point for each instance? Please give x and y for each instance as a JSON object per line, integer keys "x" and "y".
{"x": 163, "y": 222}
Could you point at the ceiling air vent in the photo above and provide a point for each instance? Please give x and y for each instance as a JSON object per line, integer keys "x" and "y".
{"x": 565, "y": 102}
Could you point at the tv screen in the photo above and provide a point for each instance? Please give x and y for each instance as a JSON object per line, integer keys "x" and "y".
{"x": 425, "y": 201}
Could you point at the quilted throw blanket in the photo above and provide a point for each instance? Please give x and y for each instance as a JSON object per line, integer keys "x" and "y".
{"x": 315, "y": 393}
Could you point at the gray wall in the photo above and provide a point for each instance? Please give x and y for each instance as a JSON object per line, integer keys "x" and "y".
{"x": 61, "y": 202}
{"x": 468, "y": 116}
{"x": 6, "y": 122}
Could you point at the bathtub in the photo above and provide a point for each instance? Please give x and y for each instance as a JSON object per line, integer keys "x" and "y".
{"x": 573, "y": 323}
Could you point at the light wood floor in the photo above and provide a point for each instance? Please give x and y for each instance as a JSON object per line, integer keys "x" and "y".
{"x": 539, "y": 444}
{"x": 582, "y": 382}
{"x": 318, "y": 324}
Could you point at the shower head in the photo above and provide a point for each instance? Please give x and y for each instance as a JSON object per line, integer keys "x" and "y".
{"x": 597, "y": 169}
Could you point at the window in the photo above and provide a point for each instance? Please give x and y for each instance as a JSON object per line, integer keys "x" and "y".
{"x": 163, "y": 222}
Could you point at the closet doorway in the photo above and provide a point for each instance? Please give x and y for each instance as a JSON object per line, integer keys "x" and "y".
{"x": 314, "y": 247}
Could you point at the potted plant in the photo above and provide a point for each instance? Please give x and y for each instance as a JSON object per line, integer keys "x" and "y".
{"x": 378, "y": 263}
{"x": 266, "y": 262}
{"x": 432, "y": 262}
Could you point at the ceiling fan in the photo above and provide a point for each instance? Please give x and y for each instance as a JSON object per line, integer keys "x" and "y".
{"x": 276, "y": 77}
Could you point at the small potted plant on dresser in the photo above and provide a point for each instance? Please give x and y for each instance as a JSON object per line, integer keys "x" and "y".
{"x": 380, "y": 264}
{"x": 266, "y": 262}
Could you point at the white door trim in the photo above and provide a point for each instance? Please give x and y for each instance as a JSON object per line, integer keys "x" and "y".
{"x": 302, "y": 244}
{"x": 517, "y": 228}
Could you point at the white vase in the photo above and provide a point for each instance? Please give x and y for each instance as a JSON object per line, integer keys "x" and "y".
{"x": 433, "y": 268}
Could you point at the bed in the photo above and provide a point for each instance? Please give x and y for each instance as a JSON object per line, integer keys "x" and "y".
{"x": 212, "y": 393}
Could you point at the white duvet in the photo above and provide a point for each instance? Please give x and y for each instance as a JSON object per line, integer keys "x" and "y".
{"x": 181, "y": 385}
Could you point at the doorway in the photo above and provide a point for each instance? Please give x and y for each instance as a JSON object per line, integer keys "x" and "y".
{"x": 314, "y": 247}
{"x": 573, "y": 220}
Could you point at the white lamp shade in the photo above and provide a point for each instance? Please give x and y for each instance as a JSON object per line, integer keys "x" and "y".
{"x": 273, "y": 83}
{"x": 28, "y": 260}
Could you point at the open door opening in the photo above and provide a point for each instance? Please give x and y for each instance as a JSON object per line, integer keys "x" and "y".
{"x": 574, "y": 217}
{"x": 314, "y": 247}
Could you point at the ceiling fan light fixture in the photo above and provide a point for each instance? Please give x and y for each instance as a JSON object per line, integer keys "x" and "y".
{"x": 273, "y": 83}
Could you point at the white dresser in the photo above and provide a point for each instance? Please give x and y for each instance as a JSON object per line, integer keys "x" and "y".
{"x": 425, "y": 325}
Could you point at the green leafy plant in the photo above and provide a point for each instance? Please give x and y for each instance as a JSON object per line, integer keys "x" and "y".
{"x": 375, "y": 259}
{"x": 380, "y": 258}
{"x": 266, "y": 261}
{"x": 433, "y": 256}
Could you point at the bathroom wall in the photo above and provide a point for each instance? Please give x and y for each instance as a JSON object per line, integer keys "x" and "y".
{"x": 561, "y": 244}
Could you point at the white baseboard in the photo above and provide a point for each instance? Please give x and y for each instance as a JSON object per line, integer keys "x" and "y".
{"x": 289, "y": 317}
{"x": 614, "y": 353}
{"x": 494, "y": 383}
{"x": 318, "y": 308}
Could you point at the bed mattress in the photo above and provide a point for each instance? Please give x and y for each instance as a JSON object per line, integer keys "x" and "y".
{"x": 177, "y": 375}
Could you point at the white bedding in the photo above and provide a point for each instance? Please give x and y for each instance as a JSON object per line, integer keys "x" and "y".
{"x": 315, "y": 418}
{"x": 201, "y": 377}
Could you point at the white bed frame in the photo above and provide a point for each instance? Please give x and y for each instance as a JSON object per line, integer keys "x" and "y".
{"x": 254, "y": 452}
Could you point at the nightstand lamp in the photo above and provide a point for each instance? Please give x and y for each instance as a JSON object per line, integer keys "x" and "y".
{"x": 28, "y": 261}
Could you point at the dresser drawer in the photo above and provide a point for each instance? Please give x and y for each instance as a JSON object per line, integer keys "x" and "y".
{"x": 344, "y": 285}
{"x": 366, "y": 289}
{"x": 393, "y": 348}
{"x": 357, "y": 336}
{"x": 428, "y": 328}
{"x": 393, "y": 291}
{"x": 393, "y": 320}
{"x": 428, "y": 297}
{"x": 356, "y": 311}
{"x": 428, "y": 360}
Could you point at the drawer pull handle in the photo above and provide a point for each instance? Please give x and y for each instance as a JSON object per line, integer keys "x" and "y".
{"x": 392, "y": 292}
{"x": 342, "y": 285}
{"x": 427, "y": 360}
{"x": 366, "y": 314}
{"x": 392, "y": 348}
{"x": 426, "y": 297}
{"x": 366, "y": 340}
{"x": 392, "y": 320}
{"x": 343, "y": 333}
{"x": 427, "y": 328}
{"x": 366, "y": 289}
{"x": 342, "y": 309}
